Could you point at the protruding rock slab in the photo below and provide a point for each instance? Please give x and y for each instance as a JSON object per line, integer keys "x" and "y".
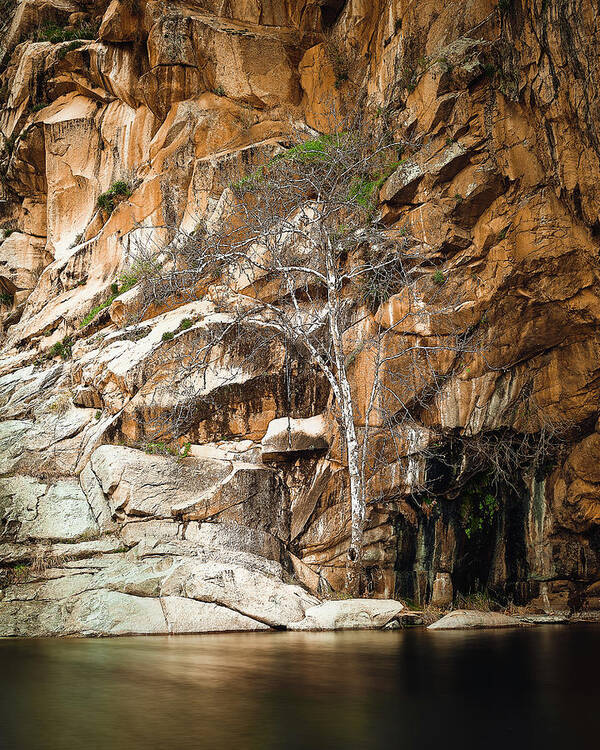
{"x": 34, "y": 510}
{"x": 286, "y": 435}
{"x": 464, "y": 619}
{"x": 249, "y": 592}
{"x": 350, "y": 614}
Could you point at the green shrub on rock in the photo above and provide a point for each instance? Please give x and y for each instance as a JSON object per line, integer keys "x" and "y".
{"x": 117, "y": 192}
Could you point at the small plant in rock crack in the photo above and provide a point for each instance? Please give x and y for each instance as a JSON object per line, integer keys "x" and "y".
{"x": 63, "y": 349}
{"x": 19, "y": 573}
{"x": 502, "y": 233}
{"x": 479, "y": 506}
{"x": 438, "y": 277}
{"x": 117, "y": 192}
{"x": 64, "y": 51}
{"x": 168, "y": 336}
{"x": 38, "y": 106}
{"x": 161, "y": 448}
{"x": 128, "y": 281}
{"x": 61, "y": 404}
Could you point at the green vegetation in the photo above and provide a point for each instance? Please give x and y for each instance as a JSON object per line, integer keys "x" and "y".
{"x": 314, "y": 151}
{"x": 141, "y": 268}
{"x": 117, "y": 192}
{"x": 19, "y": 573}
{"x": 247, "y": 183}
{"x": 351, "y": 358}
{"x": 11, "y": 142}
{"x": 438, "y": 277}
{"x": 364, "y": 190}
{"x": 340, "y": 71}
{"x": 503, "y": 232}
{"x": 380, "y": 279}
{"x": 168, "y": 336}
{"x": 160, "y": 448}
{"x": 479, "y": 506}
{"x": 185, "y": 324}
{"x": 63, "y": 51}
{"x": 55, "y": 34}
{"x": 98, "y": 414}
{"x": 95, "y": 310}
{"x": 116, "y": 290}
{"x": 63, "y": 349}
{"x": 219, "y": 91}
{"x": 6, "y": 299}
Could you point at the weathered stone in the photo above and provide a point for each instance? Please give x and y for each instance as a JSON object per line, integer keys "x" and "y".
{"x": 112, "y": 613}
{"x": 443, "y": 592}
{"x": 288, "y": 435}
{"x": 402, "y": 185}
{"x": 462, "y": 619}
{"x": 34, "y": 511}
{"x": 191, "y": 616}
{"x": 349, "y": 614}
{"x": 497, "y": 184}
{"x": 251, "y": 593}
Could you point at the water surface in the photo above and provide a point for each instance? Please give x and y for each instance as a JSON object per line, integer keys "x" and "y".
{"x": 523, "y": 688}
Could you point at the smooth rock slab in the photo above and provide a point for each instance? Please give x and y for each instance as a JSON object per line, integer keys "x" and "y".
{"x": 350, "y": 614}
{"x": 104, "y": 612}
{"x": 462, "y": 619}
{"x": 190, "y": 616}
{"x": 52, "y": 512}
{"x": 287, "y": 435}
{"x": 261, "y": 597}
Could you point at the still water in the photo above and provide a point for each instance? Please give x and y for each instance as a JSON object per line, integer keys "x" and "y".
{"x": 526, "y": 688}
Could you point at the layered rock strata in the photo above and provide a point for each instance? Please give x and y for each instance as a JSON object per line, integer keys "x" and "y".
{"x": 99, "y": 534}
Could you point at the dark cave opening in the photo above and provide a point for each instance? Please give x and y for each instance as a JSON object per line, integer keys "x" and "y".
{"x": 330, "y": 12}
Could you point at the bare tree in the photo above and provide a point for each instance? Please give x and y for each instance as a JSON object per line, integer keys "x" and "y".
{"x": 297, "y": 252}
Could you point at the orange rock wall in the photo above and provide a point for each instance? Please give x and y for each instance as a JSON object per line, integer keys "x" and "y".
{"x": 501, "y": 104}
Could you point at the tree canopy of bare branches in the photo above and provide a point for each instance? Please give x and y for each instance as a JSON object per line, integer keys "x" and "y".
{"x": 297, "y": 253}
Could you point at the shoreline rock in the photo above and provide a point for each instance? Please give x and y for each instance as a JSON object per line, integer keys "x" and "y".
{"x": 465, "y": 619}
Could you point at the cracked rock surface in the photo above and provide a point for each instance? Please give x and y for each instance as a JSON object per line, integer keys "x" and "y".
{"x": 249, "y": 526}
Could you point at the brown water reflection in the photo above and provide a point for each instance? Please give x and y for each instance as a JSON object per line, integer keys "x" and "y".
{"x": 303, "y": 690}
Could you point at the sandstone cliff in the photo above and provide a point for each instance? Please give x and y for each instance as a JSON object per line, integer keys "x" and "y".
{"x": 158, "y": 107}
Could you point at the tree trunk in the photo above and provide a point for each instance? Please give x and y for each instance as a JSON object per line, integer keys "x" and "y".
{"x": 357, "y": 491}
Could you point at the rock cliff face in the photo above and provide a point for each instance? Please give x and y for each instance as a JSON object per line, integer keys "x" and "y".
{"x": 159, "y": 106}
